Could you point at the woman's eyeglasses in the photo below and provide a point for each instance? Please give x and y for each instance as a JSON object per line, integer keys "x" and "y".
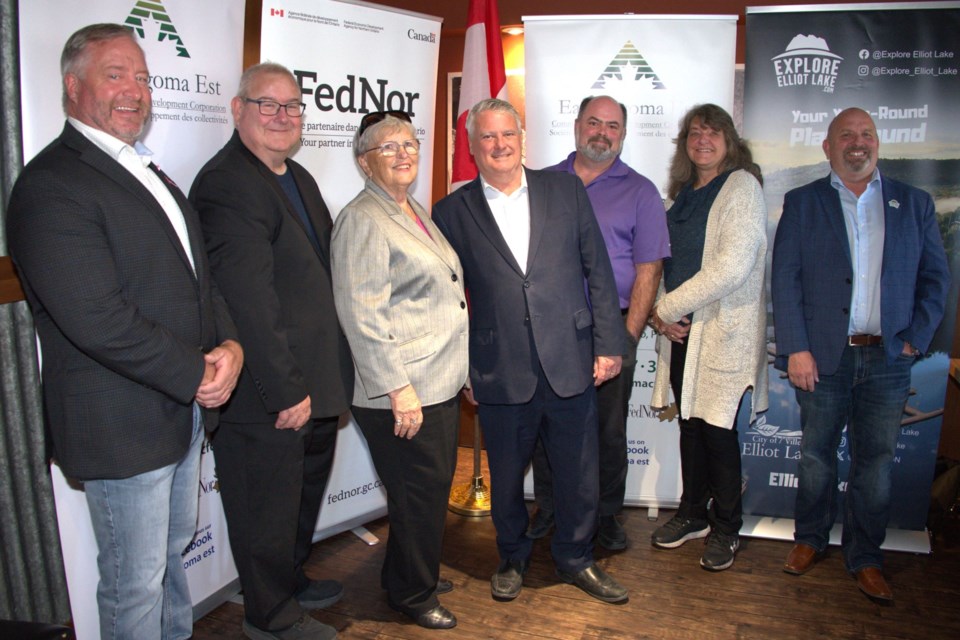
{"x": 390, "y": 149}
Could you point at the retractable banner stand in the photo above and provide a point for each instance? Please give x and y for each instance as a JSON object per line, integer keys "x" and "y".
{"x": 899, "y": 62}
{"x": 658, "y": 67}
{"x": 350, "y": 59}
{"x": 194, "y": 52}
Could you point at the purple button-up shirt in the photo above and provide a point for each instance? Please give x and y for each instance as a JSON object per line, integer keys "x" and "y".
{"x": 631, "y": 217}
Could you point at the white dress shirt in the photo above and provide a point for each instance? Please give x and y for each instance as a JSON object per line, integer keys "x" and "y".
{"x": 512, "y": 214}
{"x": 137, "y": 162}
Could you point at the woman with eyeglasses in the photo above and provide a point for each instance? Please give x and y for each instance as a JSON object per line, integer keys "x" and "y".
{"x": 398, "y": 287}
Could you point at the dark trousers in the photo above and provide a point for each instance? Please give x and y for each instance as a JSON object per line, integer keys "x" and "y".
{"x": 568, "y": 429}
{"x": 272, "y": 482}
{"x": 613, "y": 404}
{"x": 417, "y": 475}
{"x": 709, "y": 463}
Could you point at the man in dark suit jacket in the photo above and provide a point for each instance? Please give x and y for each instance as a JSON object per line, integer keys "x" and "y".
{"x": 545, "y": 327}
{"x": 111, "y": 257}
{"x": 859, "y": 282}
{"x": 267, "y": 231}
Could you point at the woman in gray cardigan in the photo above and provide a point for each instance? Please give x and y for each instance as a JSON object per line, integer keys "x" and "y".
{"x": 711, "y": 317}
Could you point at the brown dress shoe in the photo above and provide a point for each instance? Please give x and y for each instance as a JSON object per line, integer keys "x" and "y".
{"x": 801, "y": 559}
{"x": 871, "y": 582}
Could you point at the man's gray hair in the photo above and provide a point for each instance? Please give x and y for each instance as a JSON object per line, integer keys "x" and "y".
{"x": 263, "y": 68}
{"x": 74, "y": 56}
{"x": 490, "y": 104}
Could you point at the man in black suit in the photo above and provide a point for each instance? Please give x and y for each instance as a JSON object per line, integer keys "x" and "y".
{"x": 267, "y": 231}
{"x": 545, "y": 328}
{"x": 138, "y": 347}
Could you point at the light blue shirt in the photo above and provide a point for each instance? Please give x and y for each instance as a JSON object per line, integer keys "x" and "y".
{"x": 864, "y": 219}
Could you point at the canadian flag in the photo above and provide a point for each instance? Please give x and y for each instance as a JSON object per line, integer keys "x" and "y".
{"x": 276, "y": 12}
{"x": 483, "y": 77}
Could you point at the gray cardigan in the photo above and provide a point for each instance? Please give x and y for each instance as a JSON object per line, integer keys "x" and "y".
{"x": 726, "y": 352}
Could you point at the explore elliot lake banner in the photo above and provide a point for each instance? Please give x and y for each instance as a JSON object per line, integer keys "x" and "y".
{"x": 900, "y": 63}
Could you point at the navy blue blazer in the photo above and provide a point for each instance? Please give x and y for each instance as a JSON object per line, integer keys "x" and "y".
{"x": 540, "y": 310}
{"x": 812, "y": 277}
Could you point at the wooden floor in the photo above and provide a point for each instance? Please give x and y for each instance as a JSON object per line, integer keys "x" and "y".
{"x": 670, "y": 595}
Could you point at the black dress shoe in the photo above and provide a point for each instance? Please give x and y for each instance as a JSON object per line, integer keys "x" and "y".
{"x": 540, "y": 524}
{"x": 320, "y": 594}
{"x": 610, "y": 534}
{"x": 437, "y": 618}
{"x": 596, "y": 583}
{"x": 443, "y": 586}
{"x": 508, "y": 580}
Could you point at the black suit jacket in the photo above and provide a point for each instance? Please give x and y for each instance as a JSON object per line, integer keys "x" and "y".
{"x": 122, "y": 318}
{"x": 277, "y": 285}
{"x": 561, "y": 307}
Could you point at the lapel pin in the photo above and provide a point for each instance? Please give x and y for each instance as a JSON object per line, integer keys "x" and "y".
{"x": 894, "y": 203}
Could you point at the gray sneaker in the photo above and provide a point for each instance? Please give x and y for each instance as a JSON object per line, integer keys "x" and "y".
{"x": 306, "y": 628}
{"x": 678, "y": 530}
{"x": 721, "y": 548}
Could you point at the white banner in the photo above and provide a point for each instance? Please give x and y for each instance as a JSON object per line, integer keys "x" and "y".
{"x": 351, "y": 59}
{"x": 194, "y": 52}
{"x": 658, "y": 67}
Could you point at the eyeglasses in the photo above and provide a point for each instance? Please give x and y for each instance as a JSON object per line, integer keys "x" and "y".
{"x": 374, "y": 117}
{"x": 272, "y": 107}
{"x": 390, "y": 149}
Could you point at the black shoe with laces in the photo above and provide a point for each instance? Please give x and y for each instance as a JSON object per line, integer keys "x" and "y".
{"x": 720, "y": 551}
{"x": 678, "y": 530}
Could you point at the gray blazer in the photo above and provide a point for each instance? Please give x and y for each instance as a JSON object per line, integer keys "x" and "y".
{"x": 123, "y": 319}
{"x": 399, "y": 295}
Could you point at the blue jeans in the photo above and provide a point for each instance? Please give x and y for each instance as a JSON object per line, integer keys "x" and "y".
{"x": 142, "y": 525}
{"x": 867, "y": 395}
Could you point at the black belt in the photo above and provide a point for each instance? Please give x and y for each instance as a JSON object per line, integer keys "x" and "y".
{"x": 864, "y": 340}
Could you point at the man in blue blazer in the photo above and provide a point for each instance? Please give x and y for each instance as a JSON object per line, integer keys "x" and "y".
{"x": 138, "y": 346}
{"x": 859, "y": 282}
{"x": 545, "y": 328}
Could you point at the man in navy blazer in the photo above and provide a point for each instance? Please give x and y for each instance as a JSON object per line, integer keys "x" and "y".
{"x": 138, "y": 347}
{"x": 859, "y": 283}
{"x": 545, "y": 328}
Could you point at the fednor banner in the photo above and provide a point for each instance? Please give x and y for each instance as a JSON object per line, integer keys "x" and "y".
{"x": 350, "y": 59}
{"x": 194, "y": 52}
{"x": 658, "y": 67}
{"x": 899, "y": 62}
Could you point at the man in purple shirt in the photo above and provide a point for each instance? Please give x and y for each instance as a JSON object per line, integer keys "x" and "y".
{"x": 633, "y": 222}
